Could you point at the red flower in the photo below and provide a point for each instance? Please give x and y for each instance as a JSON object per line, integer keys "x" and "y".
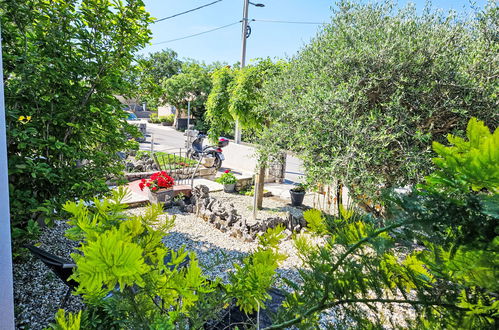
{"x": 157, "y": 181}
{"x": 227, "y": 171}
{"x": 141, "y": 186}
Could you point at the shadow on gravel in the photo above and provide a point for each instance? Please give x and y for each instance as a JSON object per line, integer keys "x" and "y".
{"x": 217, "y": 263}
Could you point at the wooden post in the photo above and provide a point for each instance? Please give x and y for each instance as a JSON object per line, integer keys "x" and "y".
{"x": 259, "y": 184}
{"x": 258, "y": 193}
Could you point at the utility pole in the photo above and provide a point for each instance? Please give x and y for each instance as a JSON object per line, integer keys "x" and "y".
{"x": 6, "y": 282}
{"x": 244, "y": 35}
{"x": 237, "y": 135}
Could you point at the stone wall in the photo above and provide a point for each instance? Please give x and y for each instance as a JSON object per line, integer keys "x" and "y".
{"x": 225, "y": 217}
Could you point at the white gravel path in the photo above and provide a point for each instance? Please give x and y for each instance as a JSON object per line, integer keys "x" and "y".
{"x": 217, "y": 251}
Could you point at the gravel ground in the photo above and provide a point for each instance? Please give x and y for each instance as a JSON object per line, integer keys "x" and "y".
{"x": 39, "y": 293}
{"x": 217, "y": 251}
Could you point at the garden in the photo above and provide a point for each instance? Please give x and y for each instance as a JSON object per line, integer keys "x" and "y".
{"x": 392, "y": 111}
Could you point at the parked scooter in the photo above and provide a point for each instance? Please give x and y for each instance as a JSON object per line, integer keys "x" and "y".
{"x": 212, "y": 155}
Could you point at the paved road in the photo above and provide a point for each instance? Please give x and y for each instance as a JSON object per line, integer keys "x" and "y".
{"x": 238, "y": 157}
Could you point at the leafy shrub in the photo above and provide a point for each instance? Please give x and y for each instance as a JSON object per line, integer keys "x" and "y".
{"x": 63, "y": 64}
{"x": 437, "y": 252}
{"x": 153, "y": 118}
{"x": 235, "y": 95}
{"x": 167, "y": 119}
{"x": 227, "y": 178}
{"x": 71, "y": 322}
{"x": 364, "y": 99}
{"x": 126, "y": 283}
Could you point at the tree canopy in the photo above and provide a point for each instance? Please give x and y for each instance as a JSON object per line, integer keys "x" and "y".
{"x": 236, "y": 94}
{"x": 361, "y": 102}
{"x": 193, "y": 82}
{"x": 149, "y": 73}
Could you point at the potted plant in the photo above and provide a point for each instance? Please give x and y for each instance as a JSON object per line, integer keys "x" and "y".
{"x": 159, "y": 184}
{"x": 229, "y": 181}
{"x": 297, "y": 194}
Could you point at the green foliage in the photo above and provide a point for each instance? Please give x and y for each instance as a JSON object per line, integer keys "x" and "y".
{"x": 111, "y": 259}
{"x": 474, "y": 162}
{"x": 316, "y": 222}
{"x": 166, "y": 159}
{"x": 124, "y": 255}
{"x": 167, "y": 119}
{"x": 437, "y": 251}
{"x": 217, "y": 104}
{"x": 63, "y": 64}
{"x": 227, "y": 178}
{"x": 235, "y": 95}
{"x": 363, "y": 100}
{"x": 126, "y": 283}
{"x": 192, "y": 82}
{"x": 299, "y": 188}
{"x": 251, "y": 281}
{"x": 148, "y": 74}
{"x": 72, "y": 322}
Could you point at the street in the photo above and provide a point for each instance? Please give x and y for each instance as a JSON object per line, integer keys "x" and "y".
{"x": 238, "y": 157}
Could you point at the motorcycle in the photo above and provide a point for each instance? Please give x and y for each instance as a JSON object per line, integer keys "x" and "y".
{"x": 211, "y": 154}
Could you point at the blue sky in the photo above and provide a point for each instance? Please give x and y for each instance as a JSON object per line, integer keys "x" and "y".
{"x": 275, "y": 40}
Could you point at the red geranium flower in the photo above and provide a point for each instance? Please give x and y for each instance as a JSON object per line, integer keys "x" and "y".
{"x": 227, "y": 171}
{"x": 157, "y": 181}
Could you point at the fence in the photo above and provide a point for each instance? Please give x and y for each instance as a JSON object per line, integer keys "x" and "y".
{"x": 176, "y": 163}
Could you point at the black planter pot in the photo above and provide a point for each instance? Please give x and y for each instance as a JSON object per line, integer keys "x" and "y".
{"x": 297, "y": 197}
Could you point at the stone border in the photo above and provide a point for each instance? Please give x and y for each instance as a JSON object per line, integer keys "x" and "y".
{"x": 225, "y": 217}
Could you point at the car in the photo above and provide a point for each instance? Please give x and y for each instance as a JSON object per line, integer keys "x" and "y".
{"x": 141, "y": 124}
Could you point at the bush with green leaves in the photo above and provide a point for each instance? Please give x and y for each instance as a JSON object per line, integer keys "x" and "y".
{"x": 438, "y": 251}
{"x": 235, "y": 95}
{"x": 364, "y": 99}
{"x": 126, "y": 283}
{"x": 63, "y": 63}
{"x": 169, "y": 119}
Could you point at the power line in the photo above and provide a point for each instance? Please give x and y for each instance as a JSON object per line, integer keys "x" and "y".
{"x": 185, "y": 12}
{"x": 196, "y": 34}
{"x": 288, "y": 22}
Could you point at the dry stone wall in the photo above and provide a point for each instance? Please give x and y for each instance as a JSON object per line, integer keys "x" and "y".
{"x": 226, "y": 218}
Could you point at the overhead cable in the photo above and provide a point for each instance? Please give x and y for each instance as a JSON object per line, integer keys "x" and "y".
{"x": 196, "y": 34}
{"x": 288, "y": 22}
{"x": 187, "y": 11}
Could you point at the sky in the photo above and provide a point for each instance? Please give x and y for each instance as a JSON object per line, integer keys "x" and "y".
{"x": 267, "y": 39}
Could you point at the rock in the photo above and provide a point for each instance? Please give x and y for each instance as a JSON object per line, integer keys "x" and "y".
{"x": 302, "y": 222}
{"x": 232, "y": 219}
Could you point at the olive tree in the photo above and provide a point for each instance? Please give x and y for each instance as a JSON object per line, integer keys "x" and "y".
{"x": 362, "y": 101}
